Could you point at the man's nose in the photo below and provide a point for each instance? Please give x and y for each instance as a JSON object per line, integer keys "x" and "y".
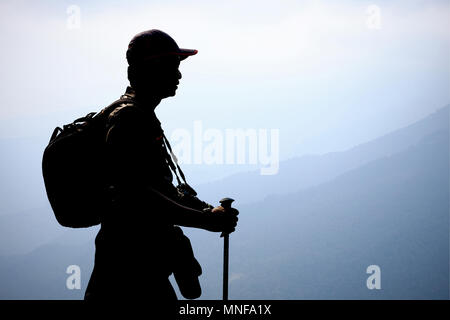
{"x": 179, "y": 74}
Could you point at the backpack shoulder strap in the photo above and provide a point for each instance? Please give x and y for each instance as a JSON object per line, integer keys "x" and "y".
{"x": 106, "y": 112}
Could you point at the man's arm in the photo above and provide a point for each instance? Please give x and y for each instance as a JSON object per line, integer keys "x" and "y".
{"x": 181, "y": 215}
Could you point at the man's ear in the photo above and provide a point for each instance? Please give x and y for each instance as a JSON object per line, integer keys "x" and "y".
{"x": 137, "y": 75}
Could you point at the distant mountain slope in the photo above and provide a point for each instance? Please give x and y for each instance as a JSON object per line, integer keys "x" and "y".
{"x": 41, "y": 274}
{"x": 314, "y": 243}
{"x": 393, "y": 212}
{"x": 21, "y": 233}
{"x": 295, "y": 174}
{"x": 308, "y": 171}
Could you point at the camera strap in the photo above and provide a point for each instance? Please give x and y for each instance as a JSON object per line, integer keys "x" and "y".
{"x": 172, "y": 161}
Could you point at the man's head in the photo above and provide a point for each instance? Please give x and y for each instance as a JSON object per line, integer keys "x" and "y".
{"x": 153, "y": 58}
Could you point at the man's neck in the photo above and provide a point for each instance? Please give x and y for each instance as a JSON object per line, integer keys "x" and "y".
{"x": 146, "y": 99}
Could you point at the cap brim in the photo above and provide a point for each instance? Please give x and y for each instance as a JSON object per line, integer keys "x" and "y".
{"x": 184, "y": 53}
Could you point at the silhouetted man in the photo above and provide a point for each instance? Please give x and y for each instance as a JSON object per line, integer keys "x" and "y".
{"x": 138, "y": 246}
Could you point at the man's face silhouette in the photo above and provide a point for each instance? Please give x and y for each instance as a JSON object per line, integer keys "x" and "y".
{"x": 159, "y": 77}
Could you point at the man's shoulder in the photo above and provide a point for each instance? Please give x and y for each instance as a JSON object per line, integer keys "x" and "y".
{"x": 125, "y": 110}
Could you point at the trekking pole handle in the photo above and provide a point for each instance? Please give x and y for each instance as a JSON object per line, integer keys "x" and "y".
{"x": 226, "y": 204}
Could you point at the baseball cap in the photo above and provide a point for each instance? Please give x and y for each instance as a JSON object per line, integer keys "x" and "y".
{"x": 152, "y": 44}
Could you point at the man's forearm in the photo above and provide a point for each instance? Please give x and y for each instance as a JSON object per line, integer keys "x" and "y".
{"x": 181, "y": 215}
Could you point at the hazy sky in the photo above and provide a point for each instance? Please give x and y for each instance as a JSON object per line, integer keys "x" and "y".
{"x": 329, "y": 75}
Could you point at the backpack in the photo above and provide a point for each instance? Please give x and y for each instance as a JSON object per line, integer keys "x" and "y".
{"x": 74, "y": 167}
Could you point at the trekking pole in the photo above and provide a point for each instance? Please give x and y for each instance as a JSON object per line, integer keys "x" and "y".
{"x": 226, "y": 204}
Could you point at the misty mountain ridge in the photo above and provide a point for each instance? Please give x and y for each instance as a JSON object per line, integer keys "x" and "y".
{"x": 312, "y": 242}
{"x": 392, "y": 212}
{"x": 312, "y": 170}
{"x": 295, "y": 174}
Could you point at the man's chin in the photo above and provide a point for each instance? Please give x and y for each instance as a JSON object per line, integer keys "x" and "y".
{"x": 170, "y": 93}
